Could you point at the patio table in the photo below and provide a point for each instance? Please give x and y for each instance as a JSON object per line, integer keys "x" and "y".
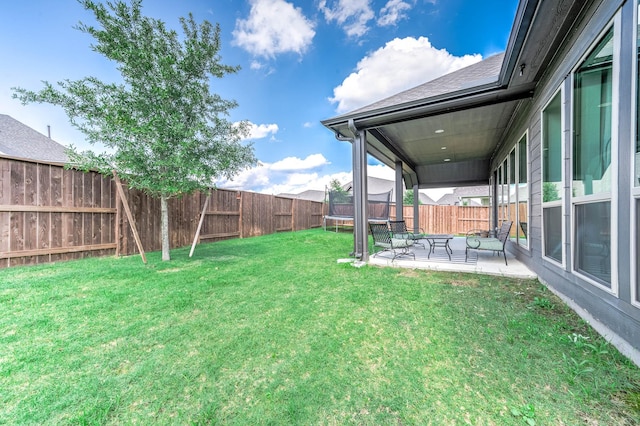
{"x": 439, "y": 240}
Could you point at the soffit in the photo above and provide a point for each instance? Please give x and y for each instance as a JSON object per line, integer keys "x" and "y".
{"x": 457, "y": 136}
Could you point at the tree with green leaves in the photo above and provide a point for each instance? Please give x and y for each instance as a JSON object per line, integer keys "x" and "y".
{"x": 341, "y": 195}
{"x": 165, "y": 132}
{"x": 335, "y": 185}
{"x": 408, "y": 197}
{"x": 549, "y": 192}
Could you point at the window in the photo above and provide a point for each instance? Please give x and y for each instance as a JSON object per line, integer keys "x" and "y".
{"x": 518, "y": 192}
{"x": 502, "y": 194}
{"x": 522, "y": 193}
{"x": 593, "y": 87}
{"x": 636, "y": 175}
{"x": 636, "y": 169}
{"x": 552, "y": 182}
{"x": 592, "y": 171}
{"x": 511, "y": 193}
{"x": 593, "y": 241}
{"x": 637, "y": 261}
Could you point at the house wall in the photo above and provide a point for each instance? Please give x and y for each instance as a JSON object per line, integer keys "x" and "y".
{"x": 615, "y": 308}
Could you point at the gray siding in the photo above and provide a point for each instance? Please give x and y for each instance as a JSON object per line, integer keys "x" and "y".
{"x": 614, "y": 311}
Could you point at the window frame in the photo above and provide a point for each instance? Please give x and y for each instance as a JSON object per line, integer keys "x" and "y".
{"x": 562, "y": 202}
{"x": 518, "y": 219}
{"x": 510, "y": 167}
{"x": 635, "y": 189}
{"x": 611, "y": 196}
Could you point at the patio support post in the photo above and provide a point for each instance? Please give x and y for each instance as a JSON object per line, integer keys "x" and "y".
{"x": 361, "y": 205}
{"x": 399, "y": 192}
{"x": 416, "y": 209}
{"x": 493, "y": 220}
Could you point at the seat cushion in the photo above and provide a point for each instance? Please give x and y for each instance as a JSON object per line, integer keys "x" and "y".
{"x": 401, "y": 243}
{"x": 489, "y": 244}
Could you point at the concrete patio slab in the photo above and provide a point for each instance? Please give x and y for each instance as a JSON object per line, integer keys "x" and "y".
{"x": 478, "y": 262}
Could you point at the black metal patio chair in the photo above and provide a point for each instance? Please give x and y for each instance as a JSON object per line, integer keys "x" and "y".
{"x": 399, "y": 230}
{"x": 384, "y": 240}
{"x": 476, "y": 240}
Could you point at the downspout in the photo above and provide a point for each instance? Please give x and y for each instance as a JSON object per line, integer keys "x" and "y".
{"x": 342, "y": 138}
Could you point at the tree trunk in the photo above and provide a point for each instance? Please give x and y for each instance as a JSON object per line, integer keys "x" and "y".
{"x": 164, "y": 224}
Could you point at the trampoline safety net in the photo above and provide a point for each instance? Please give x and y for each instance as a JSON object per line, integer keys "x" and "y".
{"x": 341, "y": 206}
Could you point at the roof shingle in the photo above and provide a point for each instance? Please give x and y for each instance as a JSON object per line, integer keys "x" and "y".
{"x": 21, "y": 141}
{"x": 481, "y": 73}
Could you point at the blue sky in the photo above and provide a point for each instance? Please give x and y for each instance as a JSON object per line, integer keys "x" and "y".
{"x": 302, "y": 62}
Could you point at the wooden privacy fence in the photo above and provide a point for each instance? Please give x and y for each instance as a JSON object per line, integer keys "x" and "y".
{"x": 51, "y": 214}
{"x": 435, "y": 219}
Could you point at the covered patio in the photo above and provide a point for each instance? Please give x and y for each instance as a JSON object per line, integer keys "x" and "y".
{"x": 479, "y": 262}
{"x": 446, "y": 132}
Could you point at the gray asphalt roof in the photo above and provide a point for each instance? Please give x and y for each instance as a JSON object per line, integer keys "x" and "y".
{"x": 311, "y": 194}
{"x": 473, "y": 191}
{"x": 475, "y": 75}
{"x": 21, "y": 141}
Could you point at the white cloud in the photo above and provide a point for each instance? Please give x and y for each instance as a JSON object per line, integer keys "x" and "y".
{"x": 309, "y": 124}
{"x": 290, "y": 175}
{"x": 351, "y": 15}
{"x": 255, "y": 177}
{"x": 399, "y": 65}
{"x": 300, "y": 182}
{"x": 393, "y": 12}
{"x": 294, "y": 175}
{"x": 312, "y": 161}
{"x": 273, "y": 27}
{"x": 381, "y": 171}
{"x": 259, "y": 131}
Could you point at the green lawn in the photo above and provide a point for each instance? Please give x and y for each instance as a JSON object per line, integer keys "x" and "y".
{"x": 272, "y": 330}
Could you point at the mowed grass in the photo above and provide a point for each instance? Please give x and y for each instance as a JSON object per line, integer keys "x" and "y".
{"x": 272, "y": 330}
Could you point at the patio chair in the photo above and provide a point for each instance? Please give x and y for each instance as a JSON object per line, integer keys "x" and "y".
{"x": 383, "y": 239}
{"x": 399, "y": 230}
{"x": 523, "y": 226}
{"x": 479, "y": 240}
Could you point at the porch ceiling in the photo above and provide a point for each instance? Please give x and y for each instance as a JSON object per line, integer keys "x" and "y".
{"x": 449, "y": 149}
{"x": 444, "y": 144}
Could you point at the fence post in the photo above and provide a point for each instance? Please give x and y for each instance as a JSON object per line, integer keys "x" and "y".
{"x": 239, "y": 196}
{"x": 456, "y": 222}
{"x": 293, "y": 215}
{"x": 118, "y": 226}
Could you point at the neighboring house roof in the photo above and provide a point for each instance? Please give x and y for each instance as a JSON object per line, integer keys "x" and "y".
{"x": 379, "y": 186}
{"x": 481, "y": 191}
{"x": 375, "y": 186}
{"x": 425, "y": 199}
{"x": 21, "y": 141}
{"x": 311, "y": 194}
{"x": 469, "y": 193}
{"x": 448, "y": 200}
